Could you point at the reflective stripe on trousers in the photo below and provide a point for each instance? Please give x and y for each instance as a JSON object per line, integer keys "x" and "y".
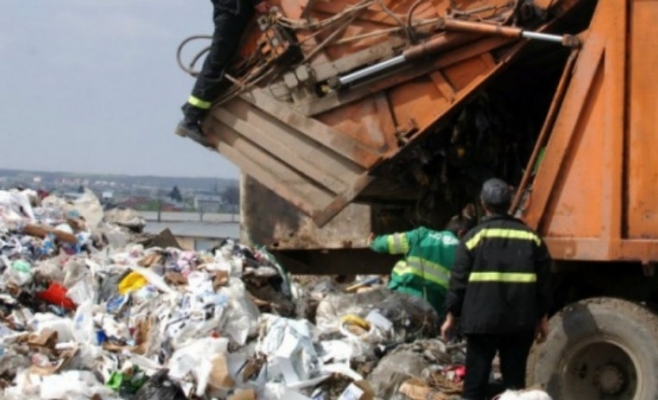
{"x": 197, "y": 102}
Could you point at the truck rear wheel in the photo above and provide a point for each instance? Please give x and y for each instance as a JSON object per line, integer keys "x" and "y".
{"x": 601, "y": 348}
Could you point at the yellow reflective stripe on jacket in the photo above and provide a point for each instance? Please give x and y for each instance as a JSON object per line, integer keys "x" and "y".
{"x": 505, "y": 277}
{"x": 424, "y": 269}
{"x": 197, "y": 102}
{"x": 439, "y": 269}
{"x": 502, "y": 234}
{"x": 397, "y": 243}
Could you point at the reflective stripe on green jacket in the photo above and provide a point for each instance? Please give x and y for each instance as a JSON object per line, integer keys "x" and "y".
{"x": 425, "y": 270}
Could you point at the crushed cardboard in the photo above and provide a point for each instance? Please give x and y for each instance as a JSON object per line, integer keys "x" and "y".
{"x": 247, "y": 394}
{"x": 220, "y": 377}
{"x": 46, "y": 338}
{"x": 416, "y": 389}
{"x": 150, "y": 260}
{"x": 359, "y": 390}
{"x": 163, "y": 240}
{"x": 175, "y": 278}
{"x": 64, "y": 358}
{"x": 221, "y": 279}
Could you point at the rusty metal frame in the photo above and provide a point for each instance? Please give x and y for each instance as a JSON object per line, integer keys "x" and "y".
{"x": 320, "y": 155}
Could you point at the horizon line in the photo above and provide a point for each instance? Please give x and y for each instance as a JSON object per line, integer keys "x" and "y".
{"x": 114, "y": 174}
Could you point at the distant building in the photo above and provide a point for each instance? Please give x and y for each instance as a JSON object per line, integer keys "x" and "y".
{"x": 72, "y": 195}
{"x": 197, "y": 236}
{"x": 107, "y": 197}
{"x": 169, "y": 204}
{"x": 208, "y": 202}
{"x": 135, "y": 202}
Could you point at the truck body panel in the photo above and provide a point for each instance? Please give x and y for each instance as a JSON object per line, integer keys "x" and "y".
{"x": 594, "y": 197}
{"x": 325, "y": 158}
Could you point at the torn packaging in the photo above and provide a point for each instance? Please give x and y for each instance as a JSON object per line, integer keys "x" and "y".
{"x": 248, "y": 394}
{"x": 160, "y": 387}
{"x": 359, "y": 390}
{"x": 416, "y": 389}
{"x": 63, "y": 359}
{"x": 220, "y": 376}
{"x": 45, "y": 338}
{"x": 221, "y": 279}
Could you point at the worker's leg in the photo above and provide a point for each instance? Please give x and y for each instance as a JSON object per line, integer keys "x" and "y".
{"x": 480, "y": 351}
{"x": 229, "y": 28}
{"x": 514, "y": 350}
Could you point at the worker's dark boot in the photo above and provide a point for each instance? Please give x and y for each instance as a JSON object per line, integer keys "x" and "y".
{"x": 192, "y": 130}
{"x": 191, "y": 126}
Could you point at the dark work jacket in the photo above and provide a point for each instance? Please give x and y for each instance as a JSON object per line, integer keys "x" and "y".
{"x": 234, "y": 6}
{"x": 499, "y": 283}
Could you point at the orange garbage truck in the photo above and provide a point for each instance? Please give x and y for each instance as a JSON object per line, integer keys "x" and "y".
{"x": 354, "y": 116}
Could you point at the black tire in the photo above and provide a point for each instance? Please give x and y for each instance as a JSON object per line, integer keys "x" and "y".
{"x": 599, "y": 349}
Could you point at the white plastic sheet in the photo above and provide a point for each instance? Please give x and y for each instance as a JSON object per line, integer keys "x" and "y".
{"x": 242, "y": 314}
{"x": 524, "y": 395}
{"x": 196, "y": 359}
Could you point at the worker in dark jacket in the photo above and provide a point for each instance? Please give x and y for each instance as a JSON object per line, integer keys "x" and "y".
{"x": 231, "y": 18}
{"x": 499, "y": 289}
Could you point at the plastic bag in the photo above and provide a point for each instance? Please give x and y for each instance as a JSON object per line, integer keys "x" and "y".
{"x": 126, "y": 218}
{"x": 63, "y": 326}
{"x": 131, "y": 283}
{"x": 86, "y": 357}
{"x": 83, "y": 324}
{"x": 25, "y": 384}
{"x": 73, "y": 383}
{"x": 153, "y": 279}
{"x": 112, "y": 328}
{"x": 11, "y": 362}
{"x": 199, "y": 282}
{"x": 288, "y": 345}
{"x": 197, "y": 359}
{"x": 90, "y": 208}
{"x": 50, "y": 270}
{"x": 18, "y": 203}
{"x": 242, "y": 314}
{"x": 56, "y": 295}
{"x": 75, "y": 270}
{"x": 19, "y": 273}
{"x": 404, "y": 362}
{"x": 412, "y": 317}
{"x": 524, "y": 395}
{"x": 196, "y": 316}
{"x": 160, "y": 387}
{"x": 83, "y": 291}
{"x": 114, "y": 236}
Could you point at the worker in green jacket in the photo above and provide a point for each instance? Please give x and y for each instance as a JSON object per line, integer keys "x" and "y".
{"x": 429, "y": 256}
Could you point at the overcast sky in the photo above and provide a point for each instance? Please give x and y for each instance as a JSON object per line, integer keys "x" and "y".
{"x": 93, "y": 86}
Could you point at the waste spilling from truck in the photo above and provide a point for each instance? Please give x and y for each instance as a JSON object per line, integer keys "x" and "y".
{"x": 93, "y": 308}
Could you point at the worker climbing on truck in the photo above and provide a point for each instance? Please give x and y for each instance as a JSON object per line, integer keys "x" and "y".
{"x": 499, "y": 288}
{"x": 231, "y": 18}
{"x": 429, "y": 256}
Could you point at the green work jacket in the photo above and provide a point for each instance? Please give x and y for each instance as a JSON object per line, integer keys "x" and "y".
{"x": 425, "y": 269}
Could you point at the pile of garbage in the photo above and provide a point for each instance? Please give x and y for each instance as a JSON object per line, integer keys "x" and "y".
{"x": 91, "y": 308}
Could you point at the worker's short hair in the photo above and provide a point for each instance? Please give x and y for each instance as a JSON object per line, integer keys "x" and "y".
{"x": 460, "y": 223}
{"x": 496, "y": 196}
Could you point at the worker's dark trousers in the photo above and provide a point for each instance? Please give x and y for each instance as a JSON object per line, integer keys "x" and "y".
{"x": 229, "y": 27}
{"x": 480, "y": 351}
